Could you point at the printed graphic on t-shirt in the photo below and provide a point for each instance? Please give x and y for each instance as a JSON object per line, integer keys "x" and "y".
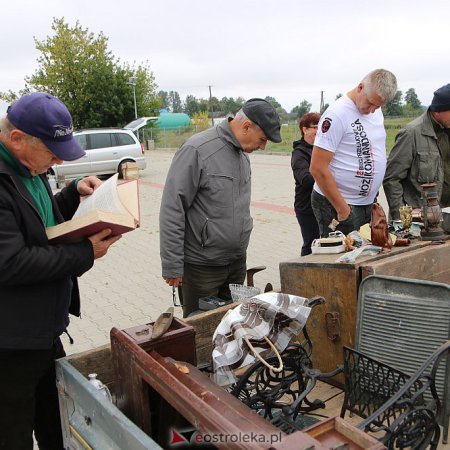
{"x": 358, "y": 144}
{"x": 365, "y": 158}
{"x": 326, "y": 124}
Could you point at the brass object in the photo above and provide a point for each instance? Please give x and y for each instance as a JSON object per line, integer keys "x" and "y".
{"x": 406, "y": 216}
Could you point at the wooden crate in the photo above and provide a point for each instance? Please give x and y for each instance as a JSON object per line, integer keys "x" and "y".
{"x": 130, "y": 171}
{"x": 190, "y": 394}
{"x": 333, "y": 325}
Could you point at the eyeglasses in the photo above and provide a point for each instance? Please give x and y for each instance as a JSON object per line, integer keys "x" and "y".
{"x": 313, "y": 126}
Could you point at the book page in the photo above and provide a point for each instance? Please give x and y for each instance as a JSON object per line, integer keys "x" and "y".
{"x": 104, "y": 198}
{"x": 129, "y": 196}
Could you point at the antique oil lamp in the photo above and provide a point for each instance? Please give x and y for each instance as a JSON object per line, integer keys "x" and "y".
{"x": 431, "y": 214}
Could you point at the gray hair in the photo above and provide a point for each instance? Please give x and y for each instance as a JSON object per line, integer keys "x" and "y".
{"x": 381, "y": 82}
{"x": 6, "y": 126}
{"x": 241, "y": 116}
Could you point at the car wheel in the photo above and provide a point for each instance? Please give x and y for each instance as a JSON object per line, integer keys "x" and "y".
{"x": 120, "y": 168}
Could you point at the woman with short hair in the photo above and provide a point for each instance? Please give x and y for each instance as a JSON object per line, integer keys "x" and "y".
{"x": 304, "y": 181}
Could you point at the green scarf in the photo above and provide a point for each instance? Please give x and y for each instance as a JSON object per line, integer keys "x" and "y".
{"x": 35, "y": 186}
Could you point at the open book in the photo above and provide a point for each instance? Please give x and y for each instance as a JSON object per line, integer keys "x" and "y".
{"x": 112, "y": 205}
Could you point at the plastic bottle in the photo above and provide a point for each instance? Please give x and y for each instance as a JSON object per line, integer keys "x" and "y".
{"x": 99, "y": 386}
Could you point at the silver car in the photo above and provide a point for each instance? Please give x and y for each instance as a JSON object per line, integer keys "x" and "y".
{"x": 107, "y": 149}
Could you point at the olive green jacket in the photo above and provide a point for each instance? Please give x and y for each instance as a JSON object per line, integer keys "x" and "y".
{"x": 415, "y": 159}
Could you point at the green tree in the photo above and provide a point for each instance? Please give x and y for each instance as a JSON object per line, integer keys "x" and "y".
{"x": 201, "y": 120}
{"x": 77, "y": 67}
{"x": 203, "y": 104}
{"x": 231, "y": 105}
{"x": 394, "y": 107}
{"x": 302, "y": 109}
{"x": 147, "y": 100}
{"x": 191, "y": 105}
{"x": 273, "y": 102}
{"x": 215, "y": 103}
{"x": 164, "y": 97}
{"x": 175, "y": 102}
{"x": 412, "y": 100}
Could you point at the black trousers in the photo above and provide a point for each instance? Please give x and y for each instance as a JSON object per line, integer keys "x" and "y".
{"x": 204, "y": 281}
{"x": 29, "y": 399}
{"x": 310, "y": 231}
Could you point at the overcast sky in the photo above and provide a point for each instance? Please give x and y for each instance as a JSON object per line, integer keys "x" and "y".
{"x": 288, "y": 49}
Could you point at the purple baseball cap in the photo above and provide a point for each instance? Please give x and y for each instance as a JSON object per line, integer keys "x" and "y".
{"x": 43, "y": 116}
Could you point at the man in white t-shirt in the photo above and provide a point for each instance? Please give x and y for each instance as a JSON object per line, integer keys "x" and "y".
{"x": 349, "y": 154}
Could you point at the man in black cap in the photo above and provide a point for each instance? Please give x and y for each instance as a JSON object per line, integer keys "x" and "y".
{"x": 421, "y": 154}
{"x": 38, "y": 281}
{"x": 205, "y": 220}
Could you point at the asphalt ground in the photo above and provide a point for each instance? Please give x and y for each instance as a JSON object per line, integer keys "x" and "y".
{"x": 125, "y": 288}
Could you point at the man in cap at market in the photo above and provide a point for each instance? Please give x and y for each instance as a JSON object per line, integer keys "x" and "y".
{"x": 421, "y": 154}
{"x": 38, "y": 280}
{"x": 205, "y": 221}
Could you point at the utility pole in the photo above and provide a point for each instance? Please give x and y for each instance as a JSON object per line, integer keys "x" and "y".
{"x": 211, "y": 106}
{"x": 321, "y": 102}
{"x": 133, "y": 81}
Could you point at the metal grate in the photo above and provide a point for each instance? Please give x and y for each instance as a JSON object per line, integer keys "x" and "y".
{"x": 401, "y": 322}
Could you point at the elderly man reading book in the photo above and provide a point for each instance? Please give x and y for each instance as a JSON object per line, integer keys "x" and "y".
{"x": 38, "y": 280}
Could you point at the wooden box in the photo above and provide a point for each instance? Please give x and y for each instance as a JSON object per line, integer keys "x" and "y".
{"x": 333, "y": 325}
{"x": 130, "y": 171}
{"x": 168, "y": 396}
{"x": 178, "y": 343}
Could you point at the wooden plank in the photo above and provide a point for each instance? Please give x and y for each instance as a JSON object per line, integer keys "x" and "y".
{"x": 339, "y": 286}
{"x": 330, "y": 260}
{"x": 325, "y": 392}
{"x": 333, "y": 406}
{"x": 334, "y": 432}
{"x": 360, "y": 438}
{"x": 430, "y": 263}
{"x": 97, "y": 360}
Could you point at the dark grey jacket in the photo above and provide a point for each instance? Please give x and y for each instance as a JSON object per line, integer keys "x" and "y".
{"x": 205, "y": 209}
{"x": 415, "y": 159}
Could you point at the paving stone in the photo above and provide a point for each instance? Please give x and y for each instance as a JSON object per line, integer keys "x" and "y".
{"x": 126, "y": 284}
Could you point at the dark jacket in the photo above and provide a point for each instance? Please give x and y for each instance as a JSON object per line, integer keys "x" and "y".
{"x": 37, "y": 280}
{"x": 304, "y": 181}
{"x": 415, "y": 159}
{"x": 205, "y": 208}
